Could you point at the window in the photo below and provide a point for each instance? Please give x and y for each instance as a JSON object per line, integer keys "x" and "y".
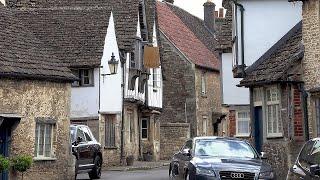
{"x": 156, "y": 78}
{"x": 137, "y": 55}
{"x": 274, "y": 124}
{"x": 257, "y": 96}
{"x": 85, "y": 77}
{"x": 86, "y": 133}
{"x": 110, "y": 131}
{"x": 243, "y": 123}
{"x": 43, "y": 140}
{"x": 203, "y": 84}
{"x": 310, "y": 154}
{"x": 130, "y": 121}
{"x": 204, "y": 125}
{"x": 144, "y": 128}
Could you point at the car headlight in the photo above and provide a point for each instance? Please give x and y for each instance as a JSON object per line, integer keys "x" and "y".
{"x": 266, "y": 175}
{"x": 205, "y": 171}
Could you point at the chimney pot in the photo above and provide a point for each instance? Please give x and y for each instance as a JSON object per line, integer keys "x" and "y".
{"x": 209, "y": 15}
{"x": 221, "y": 12}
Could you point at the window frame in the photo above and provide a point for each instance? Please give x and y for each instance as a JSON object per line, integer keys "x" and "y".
{"x": 79, "y": 73}
{"x": 248, "y": 119}
{"x": 270, "y": 102}
{"x": 203, "y": 84}
{"x": 145, "y": 128}
{"x": 37, "y": 141}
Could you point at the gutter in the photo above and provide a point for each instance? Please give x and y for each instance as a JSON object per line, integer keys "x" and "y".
{"x": 242, "y": 31}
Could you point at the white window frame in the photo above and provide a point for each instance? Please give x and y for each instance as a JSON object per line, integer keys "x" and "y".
{"x": 37, "y": 141}
{"x": 147, "y": 128}
{"x": 273, "y": 102}
{"x": 203, "y": 84}
{"x": 257, "y": 93}
{"x": 205, "y": 125}
{"x": 156, "y": 79}
{"x": 242, "y": 119}
{"x": 79, "y": 73}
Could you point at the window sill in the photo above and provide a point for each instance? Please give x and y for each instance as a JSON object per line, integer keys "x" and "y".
{"x": 276, "y": 136}
{"x": 44, "y": 159}
{"x": 242, "y": 135}
{"x": 111, "y": 148}
{"x": 83, "y": 86}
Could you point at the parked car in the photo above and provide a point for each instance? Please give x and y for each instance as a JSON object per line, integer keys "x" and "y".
{"x": 215, "y": 158}
{"x": 86, "y": 150}
{"x": 307, "y": 165}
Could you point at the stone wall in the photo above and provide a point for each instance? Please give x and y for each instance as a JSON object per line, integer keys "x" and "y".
{"x": 40, "y": 99}
{"x": 311, "y": 65}
{"x": 208, "y": 103}
{"x": 173, "y": 137}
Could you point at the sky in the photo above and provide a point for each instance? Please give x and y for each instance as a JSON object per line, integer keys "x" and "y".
{"x": 195, "y": 7}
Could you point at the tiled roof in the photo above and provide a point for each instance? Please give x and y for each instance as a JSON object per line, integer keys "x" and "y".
{"x": 183, "y": 35}
{"x": 23, "y": 56}
{"x": 275, "y": 64}
{"x": 76, "y": 29}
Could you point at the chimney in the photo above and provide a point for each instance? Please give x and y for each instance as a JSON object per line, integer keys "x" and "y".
{"x": 220, "y": 12}
{"x": 209, "y": 17}
{"x": 169, "y": 1}
{"x": 216, "y": 14}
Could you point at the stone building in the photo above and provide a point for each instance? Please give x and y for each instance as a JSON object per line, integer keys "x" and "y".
{"x": 86, "y": 35}
{"x": 311, "y": 75}
{"x": 35, "y": 89}
{"x": 278, "y": 104}
{"x": 191, "y": 78}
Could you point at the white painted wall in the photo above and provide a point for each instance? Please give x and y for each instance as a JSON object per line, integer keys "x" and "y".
{"x": 265, "y": 22}
{"x": 155, "y": 94}
{"x": 110, "y": 86}
{"x": 231, "y": 93}
{"x": 85, "y": 100}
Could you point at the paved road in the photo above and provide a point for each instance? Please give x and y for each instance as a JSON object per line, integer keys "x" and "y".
{"x": 154, "y": 174}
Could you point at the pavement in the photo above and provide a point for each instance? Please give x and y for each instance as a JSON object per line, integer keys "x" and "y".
{"x": 139, "y": 165}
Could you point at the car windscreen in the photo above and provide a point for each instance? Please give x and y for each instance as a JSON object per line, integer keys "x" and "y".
{"x": 73, "y": 133}
{"x": 310, "y": 154}
{"x": 224, "y": 148}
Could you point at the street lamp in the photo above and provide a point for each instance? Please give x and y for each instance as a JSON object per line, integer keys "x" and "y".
{"x": 113, "y": 64}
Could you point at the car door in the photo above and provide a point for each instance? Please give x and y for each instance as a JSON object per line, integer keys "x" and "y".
{"x": 183, "y": 158}
{"x": 82, "y": 149}
{"x": 91, "y": 145}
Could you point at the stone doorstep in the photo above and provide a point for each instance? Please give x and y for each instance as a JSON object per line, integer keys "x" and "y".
{"x": 140, "y": 166}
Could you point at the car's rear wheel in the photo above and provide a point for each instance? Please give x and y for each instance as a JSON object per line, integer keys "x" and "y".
{"x": 96, "y": 171}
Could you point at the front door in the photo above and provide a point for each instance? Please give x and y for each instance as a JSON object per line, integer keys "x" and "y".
{"x": 4, "y": 146}
{"x": 258, "y": 133}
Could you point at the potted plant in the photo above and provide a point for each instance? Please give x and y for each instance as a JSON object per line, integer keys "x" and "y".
{"x": 130, "y": 160}
{"x": 4, "y": 163}
{"x": 21, "y": 163}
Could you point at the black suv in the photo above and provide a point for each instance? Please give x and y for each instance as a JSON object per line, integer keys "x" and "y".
{"x": 87, "y": 151}
{"x": 307, "y": 165}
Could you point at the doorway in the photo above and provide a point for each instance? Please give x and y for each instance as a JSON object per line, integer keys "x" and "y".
{"x": 258, "y": 130}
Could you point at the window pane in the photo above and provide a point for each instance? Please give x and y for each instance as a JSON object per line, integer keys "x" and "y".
{"x": 86, "y": 134}
{"x": 36, "y": 146}
{"x": 144, "y": 133}
{"x": 275, "y": 119}
{"x": 48, "y": 140}
{"x": 243, "y": 127}
{"x": 86, "y": 80}
{"x": 86, "y": 72}
{"x": 41, "y": 139}
{"x": 269, "y": 119}
{"x": 144, "y": 123}
{"x": 243, "y": 115}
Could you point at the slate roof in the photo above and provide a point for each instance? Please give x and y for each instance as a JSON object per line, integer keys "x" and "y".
{"x": 76, "y": 29}
{"x": 274, "y": 65}
{"x": 23, "y": 56}
{"x": 188, "y": 34}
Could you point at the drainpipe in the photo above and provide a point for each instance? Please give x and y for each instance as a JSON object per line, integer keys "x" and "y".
{"x": 305, "y": 110}
{"x": 242, "y": 33}
{"x": 123, "y": 62}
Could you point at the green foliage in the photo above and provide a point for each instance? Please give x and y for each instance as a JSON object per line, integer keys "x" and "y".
{"x": 4, "y": 163}
{"x": 21, "y": 163}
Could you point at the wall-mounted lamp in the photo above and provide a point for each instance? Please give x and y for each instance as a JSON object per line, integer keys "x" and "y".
{"x": 113, "y": 66}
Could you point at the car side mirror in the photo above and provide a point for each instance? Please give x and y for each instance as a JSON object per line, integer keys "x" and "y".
{"x": 315, "y": 170}
{"x": 263, "y": 155}
{"x": 79, "y": 140}
{"x": 186, "y": 152}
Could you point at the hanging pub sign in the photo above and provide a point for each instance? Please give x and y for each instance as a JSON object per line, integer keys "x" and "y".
{"x": 151, "y": 57}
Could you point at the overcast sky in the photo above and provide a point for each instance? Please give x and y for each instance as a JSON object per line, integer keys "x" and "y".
{"x": 195, "y": 7}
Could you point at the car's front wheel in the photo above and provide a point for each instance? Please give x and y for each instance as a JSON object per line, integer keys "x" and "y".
{"x": 96, "y": 171}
